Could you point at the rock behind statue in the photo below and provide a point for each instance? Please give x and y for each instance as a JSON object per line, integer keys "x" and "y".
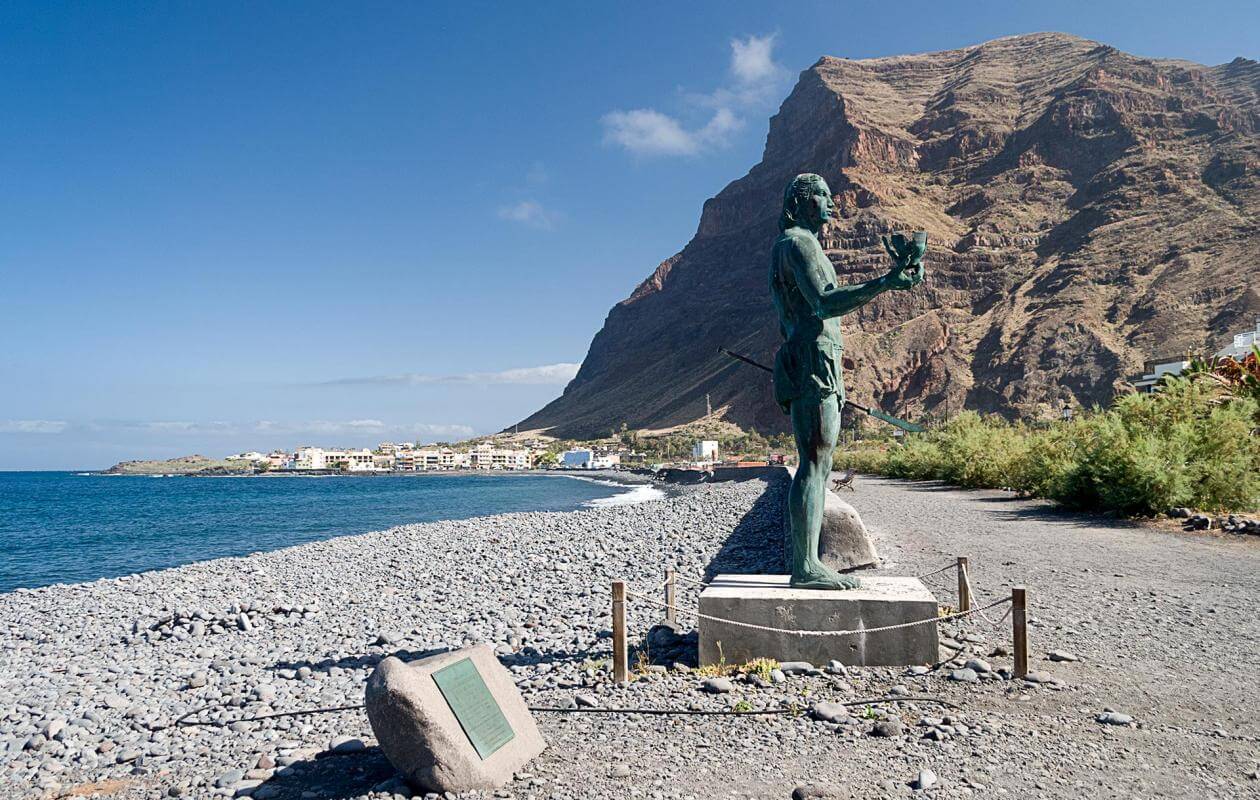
{"x": 843, "y": 544}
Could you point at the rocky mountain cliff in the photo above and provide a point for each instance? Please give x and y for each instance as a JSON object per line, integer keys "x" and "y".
{"x": 1087, "y": 209}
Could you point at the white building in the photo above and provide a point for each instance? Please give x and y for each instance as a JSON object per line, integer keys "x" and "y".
{"x": 383, "y": 462}
{"x": 252, "y": 456}
{"x": 487, "y": 456}
{"x": 706, "y": 450}
{"x": 1154, "y": 372}
{"x": 585, "y": 458}
{"x": 433, "y": 458}
{"x": 1241, "y": 345}
{"x": 319, "y": 458}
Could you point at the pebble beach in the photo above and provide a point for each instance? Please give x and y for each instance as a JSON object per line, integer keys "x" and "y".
{"x": 95, "y": 675}
{"x": 1135, "y": 690}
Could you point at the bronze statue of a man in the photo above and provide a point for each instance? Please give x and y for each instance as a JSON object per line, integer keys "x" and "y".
{"x": 807, "y": 379}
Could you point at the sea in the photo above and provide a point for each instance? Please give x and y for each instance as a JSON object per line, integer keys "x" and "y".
{"x": 69, "y": 527}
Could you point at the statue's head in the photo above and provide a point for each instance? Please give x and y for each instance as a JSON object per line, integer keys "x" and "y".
{"x": 806, "y": 202}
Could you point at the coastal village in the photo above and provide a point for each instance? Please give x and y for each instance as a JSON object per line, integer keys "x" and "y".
{"x": 415, "y": 457}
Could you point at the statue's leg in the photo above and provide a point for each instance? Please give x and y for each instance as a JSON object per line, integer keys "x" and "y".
{"x": 816, "y": 425}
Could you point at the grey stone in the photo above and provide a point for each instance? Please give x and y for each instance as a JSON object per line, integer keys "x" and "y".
{"x": 964, "y": 675}
{"x": 816, "y": 792}
{"x": 346, "y": 744}
{"x": 229, "y": 778}
{"x": 797, "y": 667}
{"x": 830, "y": 712}
{"x": 619, "y": 771}
{"x": 128, "y": 754}
{"x": 888, "y": 728}
{"x": 837, "y": 668}
{"x": 767, "y": 600}
{"x": 978, "y": 665}
{"x": 926, "y": 779}
{"x": 717, "y": 685}
{"x": 586, "y": 701}
{"x": 246, "y": 788}
{"x": 1060, "y": 655}
{"x": 421, "y": 737}
{"x": 1042, "y": 677}
{"x": 1114, "y": 718}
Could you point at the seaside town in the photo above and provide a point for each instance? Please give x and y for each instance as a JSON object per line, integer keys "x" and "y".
{"x": 415, "y": 457}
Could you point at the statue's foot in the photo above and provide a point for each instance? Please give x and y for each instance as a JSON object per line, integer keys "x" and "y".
{"x": 820, "y": 576}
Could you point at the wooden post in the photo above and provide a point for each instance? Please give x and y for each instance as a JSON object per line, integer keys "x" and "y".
{"x": 964, "y": 588}
{"x": 621, "y": 671}
{"x": 671, "y": 593}
{"x": 1019, "y": 624}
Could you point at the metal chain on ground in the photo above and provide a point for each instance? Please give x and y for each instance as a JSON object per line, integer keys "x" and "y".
{"x": 698, "y": 615}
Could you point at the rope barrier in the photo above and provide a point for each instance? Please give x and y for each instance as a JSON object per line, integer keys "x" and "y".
{"x": 692, "y": 581}
{"x": 966, "y": 574}
{"x": 698, "y": 615}
{"x": 945, "y": 568}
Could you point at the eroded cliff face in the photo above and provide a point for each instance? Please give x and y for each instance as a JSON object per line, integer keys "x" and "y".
{"x": 1087, "y": 209}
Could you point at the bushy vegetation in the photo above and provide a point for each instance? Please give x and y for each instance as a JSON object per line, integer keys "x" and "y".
{"x": 1195, "y": 442}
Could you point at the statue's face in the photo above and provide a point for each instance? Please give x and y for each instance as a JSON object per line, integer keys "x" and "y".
{"x": 819, "y": 206}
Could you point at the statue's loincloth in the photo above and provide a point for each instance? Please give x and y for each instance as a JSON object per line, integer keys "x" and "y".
{"x": 807, "y": 370}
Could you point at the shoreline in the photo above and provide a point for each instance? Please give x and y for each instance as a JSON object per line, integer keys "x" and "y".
{"x": 303, "y": 626}
{"x": 616, "y": 489}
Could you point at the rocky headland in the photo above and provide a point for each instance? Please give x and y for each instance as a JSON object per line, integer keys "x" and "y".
{"x": 183, "y": 465}
{"x": 1087, "y": 208}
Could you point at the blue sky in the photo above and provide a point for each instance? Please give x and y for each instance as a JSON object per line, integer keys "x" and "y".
{"x": 255, "y": 225}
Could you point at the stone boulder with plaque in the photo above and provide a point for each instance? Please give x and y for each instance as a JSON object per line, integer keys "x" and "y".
{"x": 452, "y": 722}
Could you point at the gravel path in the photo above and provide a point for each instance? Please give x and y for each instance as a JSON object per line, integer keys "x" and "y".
{"x": 1162, "y": 623}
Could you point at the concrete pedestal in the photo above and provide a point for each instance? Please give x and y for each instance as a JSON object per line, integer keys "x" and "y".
{"x": 768, "y": 600}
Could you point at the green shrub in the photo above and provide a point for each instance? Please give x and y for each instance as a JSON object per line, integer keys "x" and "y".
{"x": 1192, "y": 443}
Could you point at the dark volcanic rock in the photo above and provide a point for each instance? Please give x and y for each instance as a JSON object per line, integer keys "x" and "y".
{"x": 1087, "y": 209}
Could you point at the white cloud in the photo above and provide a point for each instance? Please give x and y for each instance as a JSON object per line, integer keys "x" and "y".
{"x": 546, "y": 374}
{"x": 752, "y": 61}
{"x": 645, "y": 131}
{"x": 33, "y": 426}
{"x": 530, "y": 212}
{"x": 427, "y": 429}
{"x": 354, "y": 427}
{"x": 163, "y": 426}
{"x": 320, "y": 426}
{"x": 756, "y": 79}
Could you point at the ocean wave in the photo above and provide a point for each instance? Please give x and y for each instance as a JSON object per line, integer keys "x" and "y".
{"x": 639, "y": 494}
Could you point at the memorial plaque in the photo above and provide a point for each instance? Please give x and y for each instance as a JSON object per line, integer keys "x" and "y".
{"x": 472, "y": 704}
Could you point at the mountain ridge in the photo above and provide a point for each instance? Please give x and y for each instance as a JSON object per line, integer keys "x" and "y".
{"x": 1086, "y": 208}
